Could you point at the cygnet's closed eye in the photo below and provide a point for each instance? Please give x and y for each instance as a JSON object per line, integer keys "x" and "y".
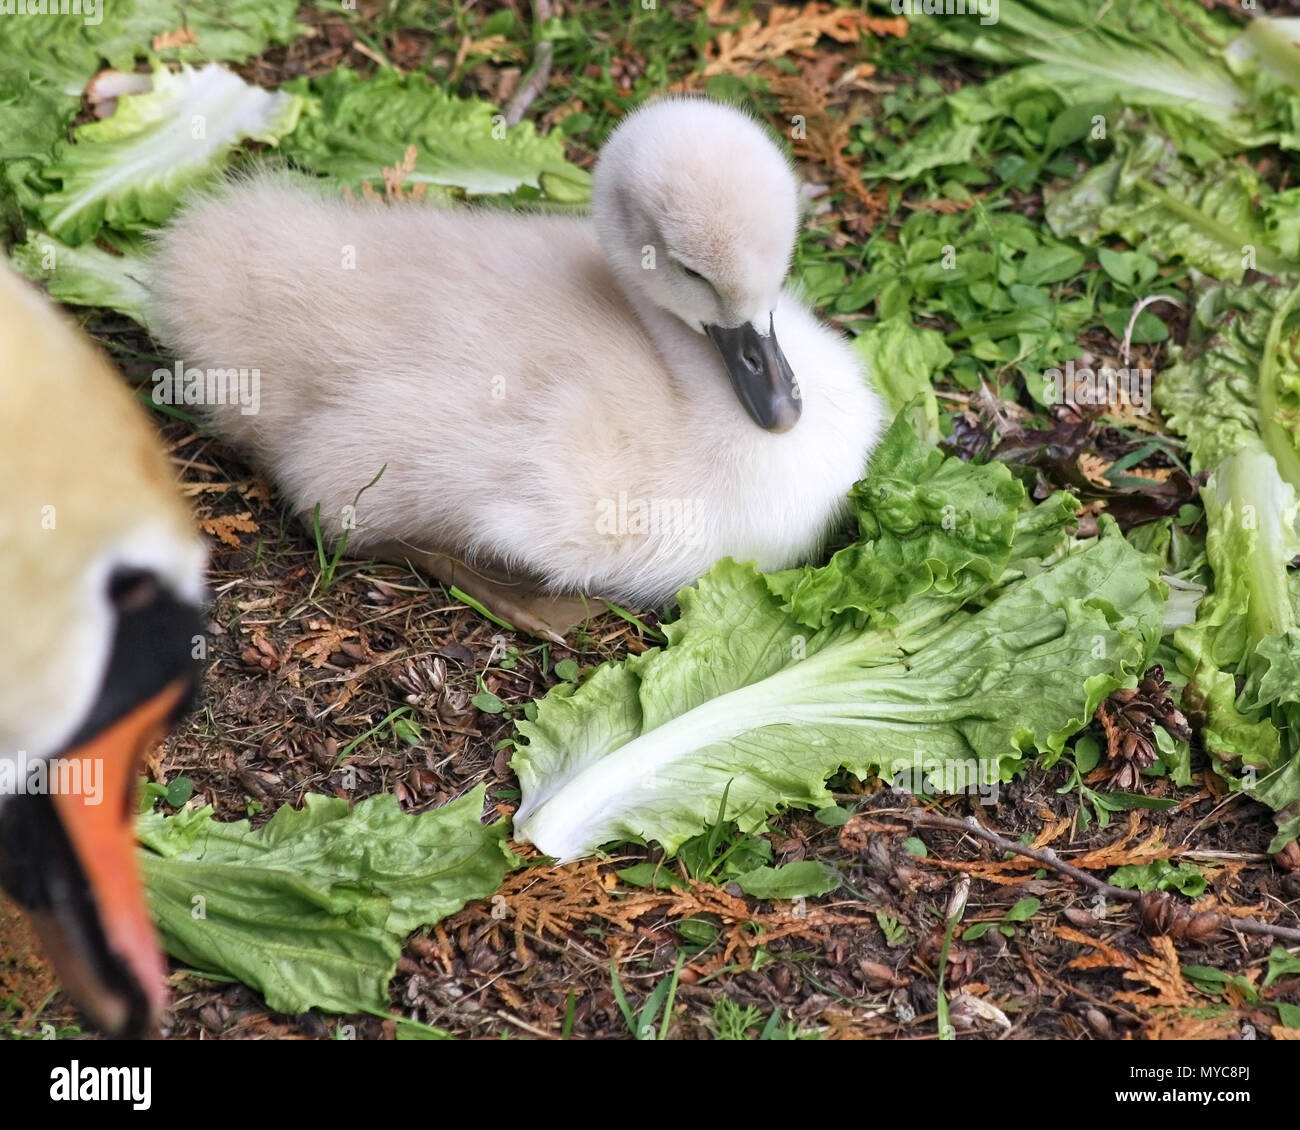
{"x": 689, "y": 272}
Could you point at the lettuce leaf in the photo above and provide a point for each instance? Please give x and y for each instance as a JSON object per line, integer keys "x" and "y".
{"x": 1219, "y": 219}
{"x": 1234, "y": 391}
{"x": 47, "y": 63}
{"x": 962, "y": 631}
{"x": 1237, "y": 381}
{"x": 1208, "y": 87}
{"x": 745, "y": 702}
{"x": 311, "y": 909}
{"x": 903, "y": 360}
{"x": 926, "y": 522}
{"x": 65, "y": 53}
{"x": 130, "y": 170}
{"x": 87, "y": 275}
{"x": 1247, "y": 632}
{"x": 1176, "y": 60}
{"x": 354, "y": 127}
{"x": 33, "y": 124}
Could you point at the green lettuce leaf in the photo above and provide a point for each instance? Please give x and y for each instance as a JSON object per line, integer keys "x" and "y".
{"x": 1246, "y": 632}
{"x": 311, "y": 909}
{"x": 130, "y": 170}
{"x": 66, "y": 53}
{"x": 903, "y": 360}
{"x": 33, "y": 124}
{"x": 355, "y": 127}
{"x": 1191, "y": 70}
{"x": 926, "y": 522}
{"x": 1237, "y": 380}
{"x": 87, "y": 275}
{"x": 746, "y": 702}
{"x": 806, "y": 878}
{"x": 47, "y": 63}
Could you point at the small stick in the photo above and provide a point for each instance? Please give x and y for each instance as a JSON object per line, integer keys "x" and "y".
{"x": 536, "y": 79}
{"x": 525, "y": 1025}
{"x": 1045, "y": 856}
{"x": 1048, "y": 858}
{"x": 534, "y": 83}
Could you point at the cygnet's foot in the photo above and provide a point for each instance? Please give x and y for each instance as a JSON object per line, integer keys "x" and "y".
{"x": 508, "y": 598}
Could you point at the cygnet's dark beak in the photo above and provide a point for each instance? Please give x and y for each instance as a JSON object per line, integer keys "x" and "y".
{"x": 761, "y": 376}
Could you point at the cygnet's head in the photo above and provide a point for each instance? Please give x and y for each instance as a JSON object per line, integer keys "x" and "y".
{"x": 697, "y": 210}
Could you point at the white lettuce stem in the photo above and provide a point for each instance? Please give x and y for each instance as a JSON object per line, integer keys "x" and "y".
{"x": 566, "y": 823}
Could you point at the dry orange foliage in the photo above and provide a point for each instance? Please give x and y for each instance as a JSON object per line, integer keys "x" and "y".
{"x": 824, "y": 138}
{"x": 227, "y": 527}
{"x": 795, "y": 31}
{"x": 393, "y": 176}
{"x": 1168, "y": 1005}
{"x": 1166, "y": 1000}
{"x": 550, "y": 903}
{"x": 1020, "y": 868}
{"x": 1105, "y": 956}
{"x": 181, "y": 37}
{"x": 324, "y": 640}
{"x": 787, "y": 30}
{"x": 943, "y": 207}
{"x": 1094, "y": 468}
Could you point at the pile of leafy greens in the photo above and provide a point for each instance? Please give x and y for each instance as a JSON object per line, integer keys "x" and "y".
{"x": 1135, "y": 123}
{"x": 1235, "y": 392}
{"x": 1209, "y": 85}
{"x": 83, "y": 198}
{"x": 965, "y": 629}
{"x": 1220, "y": 218}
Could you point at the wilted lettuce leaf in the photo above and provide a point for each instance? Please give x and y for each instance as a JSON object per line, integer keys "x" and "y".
{"x": 1220, "y": 219}
{"x": 129, "y": 170}
{"x": 355, "y": 127}
{"x": 1237, "y": 381}
{"x": 311, "y": 909}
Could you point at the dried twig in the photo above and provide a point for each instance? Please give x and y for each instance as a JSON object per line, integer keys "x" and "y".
{"x": 1048, "y": 858}
{"x": 534, "y": 82}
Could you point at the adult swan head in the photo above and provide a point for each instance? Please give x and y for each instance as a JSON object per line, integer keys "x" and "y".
{"x": 101, "y": 574}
